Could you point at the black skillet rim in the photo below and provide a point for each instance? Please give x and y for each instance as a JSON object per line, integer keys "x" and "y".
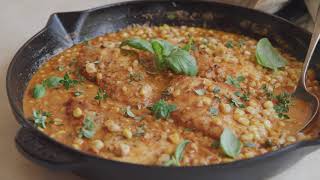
{"x": 27, "y": 124}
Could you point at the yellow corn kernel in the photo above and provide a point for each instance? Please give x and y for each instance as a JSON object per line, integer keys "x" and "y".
{"x": 77, "y": 112}
{"x": 127, "y": 133}
{"x": 225, "y": 108}
{"x": 174, "y": 138}
{"x": 247, "y": 137}
{"x": 268, "y": 104}
{"x": 244, "y": 121}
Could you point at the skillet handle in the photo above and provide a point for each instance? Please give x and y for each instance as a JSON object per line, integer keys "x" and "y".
{"x": 40, "y": 149}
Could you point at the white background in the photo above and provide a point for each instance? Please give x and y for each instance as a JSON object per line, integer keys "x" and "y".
{"x": 19, "y": 20}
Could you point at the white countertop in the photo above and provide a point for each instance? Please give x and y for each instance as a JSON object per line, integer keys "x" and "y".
{"x": 20, "y": 19}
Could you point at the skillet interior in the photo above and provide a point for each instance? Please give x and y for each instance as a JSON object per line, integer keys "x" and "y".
{"x": 65, "y": 29}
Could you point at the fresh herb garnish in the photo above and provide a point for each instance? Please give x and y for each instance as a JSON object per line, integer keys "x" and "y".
{"x": 140, "y": 131}
{"x": 244, "y": 97}
{"x": 236, "y": 103}
{"x": 234, "y": 81}
{"x": 242, "y": 42}
{"x": 267, "y": 56}
{"x": 282, "y": 105}
{"x": 53, "y": 81}
{"x": 127, "y": 112}
{"x": 88, "y": 128}
{"x": 229, "y": 143}
{"x": 167, "y": 55}
{"x": 213, "y": 111}
{"x": 67, "y": 82}
{"x": 162, "y": 109}
{"x": 40, "y": 117}
{"x": 229, "y": 44}
{"x": 200, "y": 92}
{"x": 135, "y": 77}
{"x": 268, "y": 93}
{"x": 39, "y": 91}
{"x": 216, "y": 89}
{"x": 101, "y": 95}
{"x": 178, "y": 155}
{"x": 78, "y": 93}
{"x": 60, "y": 68}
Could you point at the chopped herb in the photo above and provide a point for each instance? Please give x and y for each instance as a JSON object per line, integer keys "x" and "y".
{"x": 229, "y": 44}
{"x": 213, "y": 111}
{"x": 79, "y": 76}
{"x": 236, "y": 103}
{"x": 282, "y": 105}
{"x": 177, "y": 157}
{"x": 39, "y": 91}
{"x": 67, "y": 82}
{"x": 190, "y": 45}
{"x": 138, "y": 118}
{"x": 216, "y": 89}
{"x": 215, "y": 144}
{"x": 267, "y": 56}
{"x": 230, "y": 144}
{"x": 40, "y": 117}
{"x": 78, "y": 93}
{"x": 140, "y": 131}
{"x": 244, "y": 97}
{"x": 60, "y": 68}
{"x": 242, "y": 42}
{"x": 135, "y": 77}
{"x": 268, "y": 93}
{"x": 249, "y": 144}
{"x": 101, "y": 95}
{"x": 200, "y": 92}
{"x": 88, "y": 128}
{"x": 234, "y": 82}
{"x": 162, "y": 109}
{"x": 127, "y": 111}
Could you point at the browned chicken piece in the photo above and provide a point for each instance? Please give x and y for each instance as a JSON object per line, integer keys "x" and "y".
{"x": 122, "y": 74}
{"x": 200, "y": 104}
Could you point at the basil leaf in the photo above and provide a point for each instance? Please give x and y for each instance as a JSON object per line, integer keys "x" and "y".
{"x": 179, "y": 150}
{"x": 158, "y": 51}
{"x": 53, "y": 81}
{"x": 230, "y": 144}
{"x": 181, "y": 62}
{"x": 88, "y": 128}
{"x": 267, "y": 56}
{"x": 138, "y": 43}
{"x": 40, "y": 117}
{"x": 200, "y": 92}
{"x": 166, "y": 47}
{"x": 39, "y": 91}
{"x": 162, "y": 109}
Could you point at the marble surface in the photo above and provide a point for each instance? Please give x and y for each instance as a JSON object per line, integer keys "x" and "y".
{"x": 19, "y": 20}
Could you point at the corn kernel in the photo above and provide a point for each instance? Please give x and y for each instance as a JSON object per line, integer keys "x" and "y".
{"x": 127, "y": 133}
{"x": 174, "y": 138}
{"x": 225, "y": 108}
{"x": 247, "y": 137}
{"x": 268, "y": 104}
{"x": 77, "y": 112}
{"x": 244, "y": 121}
{"x": 97, "y": 145}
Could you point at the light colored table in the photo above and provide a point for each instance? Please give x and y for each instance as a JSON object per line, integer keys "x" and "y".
{"x": 19, "y": 20}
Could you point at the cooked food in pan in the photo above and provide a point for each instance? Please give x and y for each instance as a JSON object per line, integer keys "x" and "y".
{"x": 172, "y": 96}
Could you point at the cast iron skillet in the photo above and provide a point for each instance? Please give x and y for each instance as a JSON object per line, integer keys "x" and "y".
{"x": 66, "y": 29}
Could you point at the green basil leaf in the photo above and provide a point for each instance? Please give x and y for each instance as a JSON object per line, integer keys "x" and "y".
{"x": 162, "y": 109}
{"x": 138, "y": 43}
{"x": 200, "y": 92}
{"x": 229, "y": 143}
{"x": 166, "y": 47}
{"x": 267, "y": 56}
{"x": 39, "y": 91}
{"x": 179, "y": 150}
{"x": 181, "y": 62}
{"x": 88, "y": 128}
{"x": 53, "y": 81}
{"x": 158, "y": 49}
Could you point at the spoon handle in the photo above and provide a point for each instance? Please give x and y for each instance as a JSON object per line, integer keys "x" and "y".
{"x": 313, "y": 44}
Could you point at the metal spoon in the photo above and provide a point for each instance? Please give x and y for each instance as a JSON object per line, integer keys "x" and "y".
{"x": 301, "y": 91}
